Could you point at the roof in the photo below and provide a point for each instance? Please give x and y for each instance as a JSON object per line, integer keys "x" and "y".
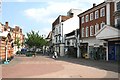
{"x": 108, "y": 32}
{"x": 91, "y": 8}
{"x": 49, "y": 35}
{"x": 72, "y": 33}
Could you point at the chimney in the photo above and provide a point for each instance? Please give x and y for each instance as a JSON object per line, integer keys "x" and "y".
{"x": 94, "y": 4}
{"x": 6, "y": 24}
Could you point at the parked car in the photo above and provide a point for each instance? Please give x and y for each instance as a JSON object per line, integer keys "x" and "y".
{"x": 23, "y": 50}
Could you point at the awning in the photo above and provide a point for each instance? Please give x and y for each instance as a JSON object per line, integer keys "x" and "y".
{"x": 108, "y": 32}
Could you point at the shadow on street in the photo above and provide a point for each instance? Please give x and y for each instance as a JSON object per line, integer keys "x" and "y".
{"x": 105, "y": 65}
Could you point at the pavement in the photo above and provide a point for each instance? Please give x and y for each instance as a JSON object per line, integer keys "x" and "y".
{"x": 46, "y": 67}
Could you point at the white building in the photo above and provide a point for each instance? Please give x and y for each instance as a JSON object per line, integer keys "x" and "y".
{"x": 63, "y": 25}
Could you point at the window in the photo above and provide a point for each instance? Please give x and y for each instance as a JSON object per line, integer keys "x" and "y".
{"x": 118, "y": 23}
{"x": 59, "y": 29}
{"x": 56, "y": 31}
{"x": 91, "y": 16}
{"x": 102, "y": 25}
{"x": 118, "y": 5}
{"x": 91, "y": 30}
{"x": 87, "y": 31}
{"x": 83, "y": 19}
{"x": 102, "y": 12}
{"x": 96, "y": 14}
{"x": 87, "y": 18}
{"x": 83, "y": 32}
{"x": 96, "y": 28}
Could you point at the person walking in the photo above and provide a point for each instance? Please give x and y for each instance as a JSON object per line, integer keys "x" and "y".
{"x": 55, "y": 55}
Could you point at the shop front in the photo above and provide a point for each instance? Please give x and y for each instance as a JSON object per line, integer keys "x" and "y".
{"x": 83, "y": 49}
{"x": 110, "y": 34}
{"x": 97, "y": 53}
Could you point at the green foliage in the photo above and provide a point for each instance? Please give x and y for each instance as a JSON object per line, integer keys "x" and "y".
{"x": 35, "y": 40}
{"x": 17, "y": 42}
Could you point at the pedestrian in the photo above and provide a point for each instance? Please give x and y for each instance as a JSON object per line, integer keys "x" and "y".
{"x": 55, "y": 55}
{"x": 44, "y": 47}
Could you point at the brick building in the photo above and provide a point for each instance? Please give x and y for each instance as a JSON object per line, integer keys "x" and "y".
{"x": 8, "y": 36}
{"x": 6, "y": 47}
{"x": 110, "y": 33}
{"x": 91, "y": 21}
{"x": 17, "y": 34}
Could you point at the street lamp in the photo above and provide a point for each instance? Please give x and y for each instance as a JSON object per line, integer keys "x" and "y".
{"x": 62, "y": 32}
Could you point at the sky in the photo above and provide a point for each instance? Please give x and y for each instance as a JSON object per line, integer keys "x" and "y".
{"x": 38, "y": 15}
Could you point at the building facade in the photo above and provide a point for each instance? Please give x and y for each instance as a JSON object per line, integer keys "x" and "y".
{"x": 17, "y": 34}
{"x": 57, "y": 34}
{"x": 111, "y": 35}
{"x": 61, "y": 26}
{"x": 91, "y": 21}
{"x": 6, "y": 47}
{"x": 8, "y": 36}
{"x": 72, "y": 44}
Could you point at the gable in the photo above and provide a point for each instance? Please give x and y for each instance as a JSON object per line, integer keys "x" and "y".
{"x": 108, "y": 32}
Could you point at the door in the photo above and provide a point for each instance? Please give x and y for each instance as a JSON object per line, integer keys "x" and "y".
{"x": 117, "y": 51}
{"x": 111, "y": 54}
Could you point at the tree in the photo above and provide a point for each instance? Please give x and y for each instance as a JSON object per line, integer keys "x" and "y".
{"x": 35, "y": 40}
{"x": 17, "y": 42}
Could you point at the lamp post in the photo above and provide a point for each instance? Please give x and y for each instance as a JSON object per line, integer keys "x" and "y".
{"x": 6, "y": 52}
{"x": 62, "y": 32}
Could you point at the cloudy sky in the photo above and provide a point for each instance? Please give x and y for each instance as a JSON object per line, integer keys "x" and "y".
{"x": 38, "y": 15}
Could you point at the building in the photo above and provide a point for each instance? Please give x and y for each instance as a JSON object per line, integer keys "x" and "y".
{"x": 91, "y": 21}
{"x": 17, "y": 34}
{"x": 49, "y": 41}
{"x": 6, "y": 47}
{"x": 61, "y": 26}
{"x": 57, "y": 34}
{"x": 111, "y": 35}
{"x": 8, "y": 36}
{"x": 72, "y": 44}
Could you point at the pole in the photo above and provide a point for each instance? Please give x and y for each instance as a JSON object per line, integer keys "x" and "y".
{"x": 62, "y": 32}
{"x": 6, "y": 61}
{"x": 6, "y": 51}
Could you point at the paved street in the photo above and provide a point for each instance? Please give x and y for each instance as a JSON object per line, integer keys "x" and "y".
{"x": 46, "y": 67}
